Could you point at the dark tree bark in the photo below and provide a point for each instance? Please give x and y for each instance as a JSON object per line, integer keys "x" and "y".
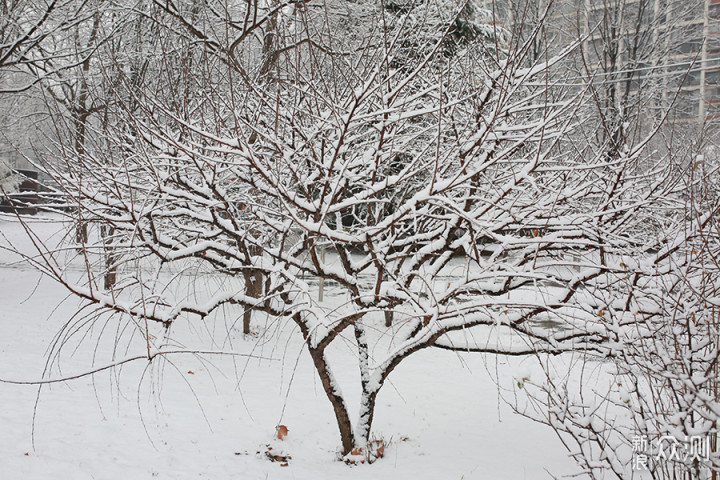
{"x": 254, "y": 289}
{"x": 336, "y": 399}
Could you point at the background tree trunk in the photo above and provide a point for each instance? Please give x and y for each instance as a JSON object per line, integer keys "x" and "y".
{"x": 254, "y": 289}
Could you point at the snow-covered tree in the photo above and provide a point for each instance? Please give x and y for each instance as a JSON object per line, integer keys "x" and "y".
{"x": 451, "y": 197}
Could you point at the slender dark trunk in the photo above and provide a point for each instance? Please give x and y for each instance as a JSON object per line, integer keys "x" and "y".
{"x": 81, "y": 230}
{"x": 336, "y": 399}
{"x": 108, "y": 232}
{"x": 388, "y": 318}
{"x": 79, "y": 128}
{"x": 270, "y": 45}
{"x": 80, "y": 114}
{"x": 111, "y": 273}
{"x": 253, "y": 288}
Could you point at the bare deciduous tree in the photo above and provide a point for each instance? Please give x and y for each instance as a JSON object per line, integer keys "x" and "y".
{"x": 442, "y": 175}
{"x": 29, "y": 32}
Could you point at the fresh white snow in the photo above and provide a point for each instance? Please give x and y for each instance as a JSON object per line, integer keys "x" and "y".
{"x": 214, "y": 416}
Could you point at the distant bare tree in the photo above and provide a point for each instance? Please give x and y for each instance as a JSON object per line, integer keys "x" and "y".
{"x": 29, "y": 31}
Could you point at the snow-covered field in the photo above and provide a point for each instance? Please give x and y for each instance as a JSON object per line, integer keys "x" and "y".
{"x": 188, "y": 416}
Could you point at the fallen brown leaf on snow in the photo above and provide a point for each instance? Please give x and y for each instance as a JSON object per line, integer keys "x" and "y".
{"x": 281, "y": 431}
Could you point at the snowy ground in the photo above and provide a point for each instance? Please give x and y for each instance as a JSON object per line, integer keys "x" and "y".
{"x": 215, "y": 417}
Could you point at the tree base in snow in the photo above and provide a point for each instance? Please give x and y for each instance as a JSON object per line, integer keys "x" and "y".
{"x": 374, "y": 451}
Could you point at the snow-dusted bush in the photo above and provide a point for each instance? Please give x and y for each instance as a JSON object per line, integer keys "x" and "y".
{"x": 649, "y": 403}
{"x": 9, "y": 179}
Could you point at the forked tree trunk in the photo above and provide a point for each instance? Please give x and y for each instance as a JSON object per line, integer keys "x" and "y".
{"x": 351, "y": 439}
